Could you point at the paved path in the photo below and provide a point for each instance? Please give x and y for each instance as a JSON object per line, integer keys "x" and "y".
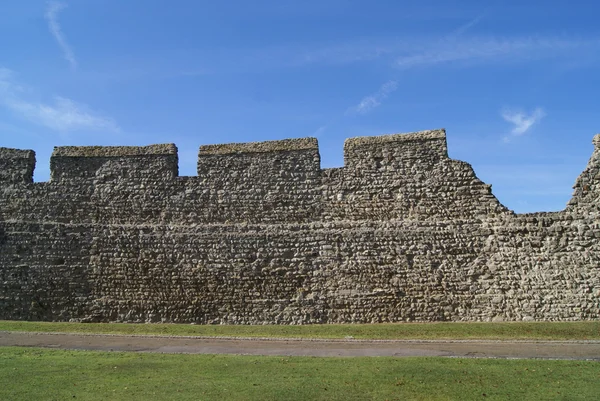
{"x": 302, "y": 347}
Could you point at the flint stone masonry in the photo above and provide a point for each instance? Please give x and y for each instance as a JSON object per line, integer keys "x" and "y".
{"x": 285, "y": 145}
{"x": 16, "y": 166}
{"x": 263, "y": 235}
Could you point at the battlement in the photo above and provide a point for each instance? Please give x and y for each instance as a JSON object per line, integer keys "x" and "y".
{"x": 16, "y": 166}
{"x": 160, "y": 161}
{"x": 260, "y": 164}
{"x": 424, "y": 147}
{"x": 277, "y": 181}
{"x": 106, "y": 163}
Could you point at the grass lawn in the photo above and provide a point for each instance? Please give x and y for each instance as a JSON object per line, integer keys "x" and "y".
{"x": 41, "y": 374}
{"x": 589, "y": 330}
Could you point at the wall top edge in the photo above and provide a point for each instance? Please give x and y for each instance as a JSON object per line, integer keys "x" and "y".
{"x": 398, "y": 137}
{"x": 10, "y": 153}
{"x": 114, "y": 151}
{"x": 284, "y": 145}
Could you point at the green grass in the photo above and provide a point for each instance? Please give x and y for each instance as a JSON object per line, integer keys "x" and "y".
{"x": 41, "y": 374}
{"x": 589, "y": 330}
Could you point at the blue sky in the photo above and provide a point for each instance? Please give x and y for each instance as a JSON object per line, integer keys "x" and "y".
{"x": 514, "y": 83}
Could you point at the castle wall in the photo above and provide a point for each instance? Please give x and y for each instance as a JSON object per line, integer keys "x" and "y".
{"x": 263, "y": 235}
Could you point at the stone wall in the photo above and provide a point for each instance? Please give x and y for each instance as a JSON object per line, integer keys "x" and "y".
{"x": 264, "y": 235}
{"x": 16, "y": 166}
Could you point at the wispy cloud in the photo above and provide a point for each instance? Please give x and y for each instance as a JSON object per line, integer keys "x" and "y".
{"x": 370, "y": 102}
{"x": 479, "y": 49}
{"x": 320, "y": 130}
{"x": 465, "y": 27}
{"x": 411, "y": 52}
{"x": 62, "y": 115}
{"x": 460, "y": 47}
{"x": 343, "y": 53}
{"x": 521, "y": 121}
{"x": 367, "y": 104}
{"x": 52, "y": 11}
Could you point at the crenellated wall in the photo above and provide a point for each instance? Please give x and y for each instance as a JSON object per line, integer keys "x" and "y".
{"x": 264, "y": 235}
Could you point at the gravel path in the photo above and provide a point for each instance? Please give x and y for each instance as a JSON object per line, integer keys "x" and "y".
{"x": 307, "y": 347}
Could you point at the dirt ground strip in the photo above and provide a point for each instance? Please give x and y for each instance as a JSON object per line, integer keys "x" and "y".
{"x": 589, "y": 350}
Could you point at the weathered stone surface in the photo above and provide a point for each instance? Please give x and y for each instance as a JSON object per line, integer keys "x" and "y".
{"x": 114, "y": 151}
{"x": 16, "y": 166}
{"x": 264, "y": 235}
{"x": 260, "y": 147}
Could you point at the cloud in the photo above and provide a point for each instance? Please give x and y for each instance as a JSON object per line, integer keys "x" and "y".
{"x": 62, "y": 115}
{"x": 319, "y": 130}
{"x": 421, "y": 51}
{"x": 54, "y": 8}
{"x": 343, "y": 53}
{"x": 464, "y": 28}
{"x": 521, "y": 121}
{"x": 481, "y": 49}
{"x": 370, "y": 102}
